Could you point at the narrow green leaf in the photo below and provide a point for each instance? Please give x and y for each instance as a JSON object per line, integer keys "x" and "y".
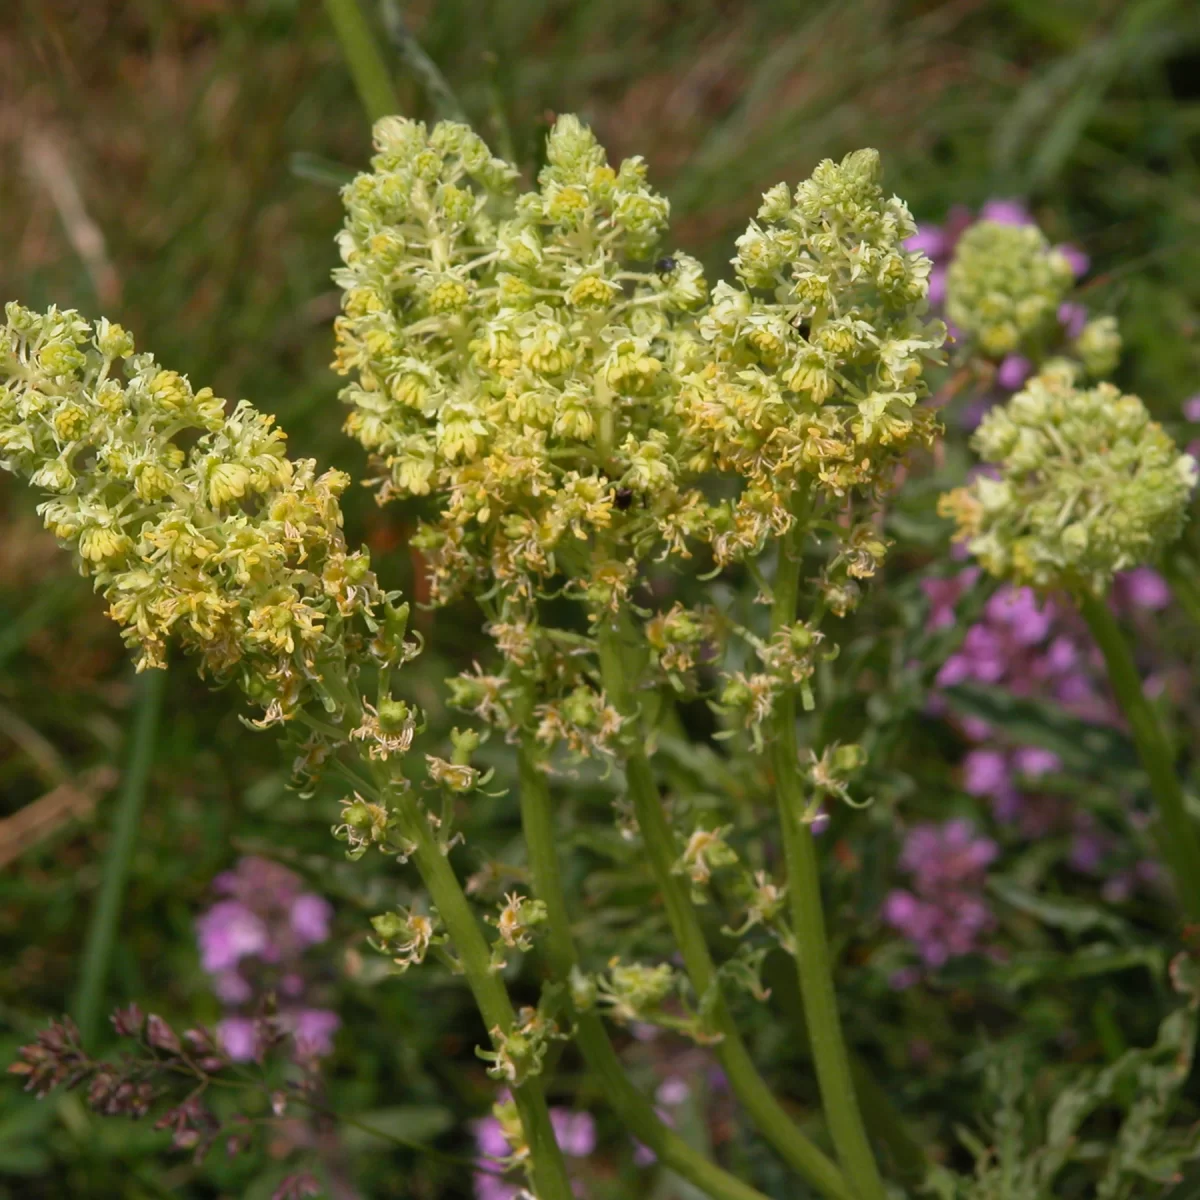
{"x": 316, "y": 169}
{"x": 1059, "y": 912}
{"x": 102, "y": 931}
{"x": 1097, "y": 750}
{"x": 372, "y": 79}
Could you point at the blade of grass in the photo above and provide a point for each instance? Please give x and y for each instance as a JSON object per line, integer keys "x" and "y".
{"x": 413, "y": 55}
{"x": 312, "y": 168}
{"x": 372, "y": 79}
{"x": 103, "y": 928}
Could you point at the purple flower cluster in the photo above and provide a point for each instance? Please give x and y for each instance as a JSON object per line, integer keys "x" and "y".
{"x": 575, "y": 1133}
{"x": 252, "y": 942}
{"x": 943, "y": 911}
{"x": 1028, "y": 646}
{"x": 1037, "y": 648}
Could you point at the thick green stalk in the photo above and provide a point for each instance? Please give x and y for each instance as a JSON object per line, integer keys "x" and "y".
{"x": 813, "y": 960}
{"x": 630, "y": 1106}
{"x": 764, "y": 1110}
{"x": 107, "y": 914}
{"x": 371, "y": 77}
{"x": 1175, "y": 830}
{"x": 549, "y": 1169}
{"x": 887, "y": 1126}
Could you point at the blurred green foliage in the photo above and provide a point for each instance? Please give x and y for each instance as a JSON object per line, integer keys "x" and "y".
{"x": 174, "y": 165}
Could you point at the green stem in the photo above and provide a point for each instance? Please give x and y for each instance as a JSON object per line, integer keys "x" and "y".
{"x": 813, "y": 960}
{"x": 106, "y": 915}
{"x": 372, "y": 80}
{"x": 764, "y": 1110}
{"x": 886, "y": 1124}
{"x": 630, "y": 1106}
{"x": 1176, "y": 832}
{"x": 1181, "y": 574}
{"x": 491, "y": 997}
{"x": 779, "y": 973}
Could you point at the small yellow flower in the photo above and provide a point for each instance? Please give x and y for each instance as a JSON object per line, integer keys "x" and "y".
{"x": 99, "y": 543}
{"x": 70, "y": 422}
{"x": 449, "y": 296}
{"x": 226, "y": 482}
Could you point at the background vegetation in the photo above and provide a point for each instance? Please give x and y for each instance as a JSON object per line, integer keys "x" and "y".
{"x": 175, "y": 165}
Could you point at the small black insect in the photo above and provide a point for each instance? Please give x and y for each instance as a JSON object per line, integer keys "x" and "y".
{"x": 665, "y": 266}
{"x": 624, "y": 498}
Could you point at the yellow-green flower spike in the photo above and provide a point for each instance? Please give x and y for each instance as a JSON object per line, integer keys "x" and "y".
{"x": 1004, "y": 287}
{"x": 192, "y": 520}
{"x": 1085, "y": 484}
{"x": 813, "y": 367}
{"x": 514, "y": 356}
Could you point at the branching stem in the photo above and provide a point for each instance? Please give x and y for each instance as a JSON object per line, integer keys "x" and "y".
{"x": 748, "y": 1085}
{"x": 549, "y": 1168}
{"x": 813, "y": 960}
{"x": 633, "y": 1109}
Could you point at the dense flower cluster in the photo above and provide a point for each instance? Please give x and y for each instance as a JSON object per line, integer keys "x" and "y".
{"x": 1088, "y": 485}
{"x": 521, "y": 368}
{"x": 193, "y": 521}
{"x": 1005, "y": 286}
{"x": 814, "y": 366}
{"x": 253, "y": 941}
{"x": 939, "y": 241}
{"x": 566, "y": 399}
{"x": 1093, "y": 341}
